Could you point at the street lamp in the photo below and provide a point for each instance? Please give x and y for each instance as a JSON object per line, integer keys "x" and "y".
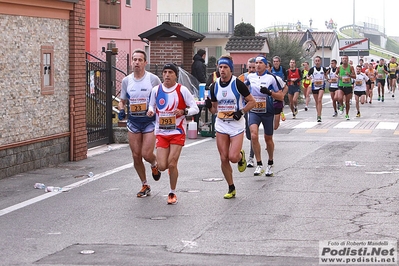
{"x": 310, "y": 23}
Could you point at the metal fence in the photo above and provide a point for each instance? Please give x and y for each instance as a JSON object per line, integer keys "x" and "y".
{"x": 202, "y": 22}
{"x": 157, "y": 69}
{"x": 103, "y": 83}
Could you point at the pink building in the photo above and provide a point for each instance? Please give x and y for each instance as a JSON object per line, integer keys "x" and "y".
{"x": 121, "y": 21}
{"x": 243, "y": 48}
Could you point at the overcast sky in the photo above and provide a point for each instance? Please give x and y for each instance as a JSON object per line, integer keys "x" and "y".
{"x": 269, "y": 13}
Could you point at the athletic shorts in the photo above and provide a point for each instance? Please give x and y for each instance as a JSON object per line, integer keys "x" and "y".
{"x": 392, "y": 76}
{"x": 277, "y": 111}
{"x": 266, "y": 119}
{"x": 346, "y": 90}
{"x": 332, "y": 89}
{"x": 381, "y": 81}
{"x": 359, "y": 93}
{"x": 230, "y": 127}
{"x": 317, "y": 91}
{"x": 164, "y": 141}
{"x": 140, "y": 127}
{"x": 292, "y": 89}
{"x": 247, "y": 131}
{"x": 278, "y": 104}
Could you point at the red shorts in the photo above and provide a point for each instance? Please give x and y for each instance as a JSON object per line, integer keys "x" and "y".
{"x": 165, "y": 141}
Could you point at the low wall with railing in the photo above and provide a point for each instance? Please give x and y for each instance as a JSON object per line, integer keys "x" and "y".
{"x": 204, "y": 23}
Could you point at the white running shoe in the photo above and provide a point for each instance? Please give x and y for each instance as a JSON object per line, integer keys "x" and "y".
{"x": 269, "y": 170}
{"x": 250, "y": 162}
{"x": 341, "y": 109}
{"x": 259, "y": 170}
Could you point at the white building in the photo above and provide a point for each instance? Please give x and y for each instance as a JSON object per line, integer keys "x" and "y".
{"x": 213, "y": 18}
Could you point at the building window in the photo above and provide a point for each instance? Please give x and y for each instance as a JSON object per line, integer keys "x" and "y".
{"x": 129, "y": 2}
{"x": 110, "y": 14}
{"x": 47, "y": 69}
{"x": 148, "y": 4}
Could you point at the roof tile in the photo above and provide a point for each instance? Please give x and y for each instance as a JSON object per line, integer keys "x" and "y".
{"x": 245, "y": 43}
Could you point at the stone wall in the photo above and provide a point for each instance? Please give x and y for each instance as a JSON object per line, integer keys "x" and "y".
{"x": 33, "y": 156}
{"x": 34, "y": 127}
{"x": 24, "y": 111}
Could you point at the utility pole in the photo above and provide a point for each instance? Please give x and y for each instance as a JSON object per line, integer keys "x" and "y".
{"x": 232, "y": 11}
{"x": 383, "y": 12}
{"x": 353, "y": 23}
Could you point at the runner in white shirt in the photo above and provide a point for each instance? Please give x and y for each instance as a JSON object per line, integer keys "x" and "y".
{"x": 227, "y": 100}
{"x": 318, "y": 75}
{"x": 265, "y": 87}
{"x": 360, "y": 88}
{"x": 333, "y": 80}
{"x": 171, "y": 102}
{"x": 136, "y": 89}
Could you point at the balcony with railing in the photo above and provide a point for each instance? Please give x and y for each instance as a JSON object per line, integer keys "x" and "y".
{"x": 213, "y": 23}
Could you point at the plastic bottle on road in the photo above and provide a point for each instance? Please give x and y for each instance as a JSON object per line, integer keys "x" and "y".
{"x": 39, "y": 186}
{"x": 351, "y": 163}
{"x": 52, "y": 189}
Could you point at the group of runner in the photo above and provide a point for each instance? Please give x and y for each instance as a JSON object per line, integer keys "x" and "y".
{"x": 346, "y": 80}
{"x": 157, "y": 110}
{"x": 343, "y": 80}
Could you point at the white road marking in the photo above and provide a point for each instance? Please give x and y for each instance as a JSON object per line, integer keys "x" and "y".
{"x": 77, "y": 184}
{"x": 346, "y": 125}
{"x": 306, "y": 125}
{"x": 387, "y": 125}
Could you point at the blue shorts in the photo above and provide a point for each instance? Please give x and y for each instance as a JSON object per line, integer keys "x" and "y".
{"x": 145, "y": 126}
{"x": 292, "y": 89}
{"x": 266, "y": 119}
{"x": 247, "y": 131}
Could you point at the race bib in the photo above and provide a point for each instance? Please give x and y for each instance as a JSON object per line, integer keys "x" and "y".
{"x": 379, "y": 76}
{"x": 225, "y": 115}
{"x": 167, "y": 121}
{"x": 346, "y": 79}
{"x": 334, "y": 80}
{"x": 260, "y": 105}
{"x": 359, "y": 82}
{"x": 318, "y": 82}
{"x": 225, "y": 111}
{"x": 138, "y": 106}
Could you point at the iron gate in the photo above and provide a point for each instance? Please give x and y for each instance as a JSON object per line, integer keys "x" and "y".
{"x": 96, "y": 101}
{"x": 103, "y": 85}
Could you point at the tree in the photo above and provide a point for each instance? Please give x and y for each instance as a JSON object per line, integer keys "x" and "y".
{"x": 286, "y": 49}
{"x": 244, "y": 29}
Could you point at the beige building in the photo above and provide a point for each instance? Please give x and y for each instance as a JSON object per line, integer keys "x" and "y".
{"x": 42, "y": 84}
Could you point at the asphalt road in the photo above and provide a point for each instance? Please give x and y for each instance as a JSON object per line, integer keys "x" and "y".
{"x": 313, "y": 196}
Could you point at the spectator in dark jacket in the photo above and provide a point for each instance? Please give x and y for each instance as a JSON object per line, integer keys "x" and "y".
{"x": 198, "y": 68}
